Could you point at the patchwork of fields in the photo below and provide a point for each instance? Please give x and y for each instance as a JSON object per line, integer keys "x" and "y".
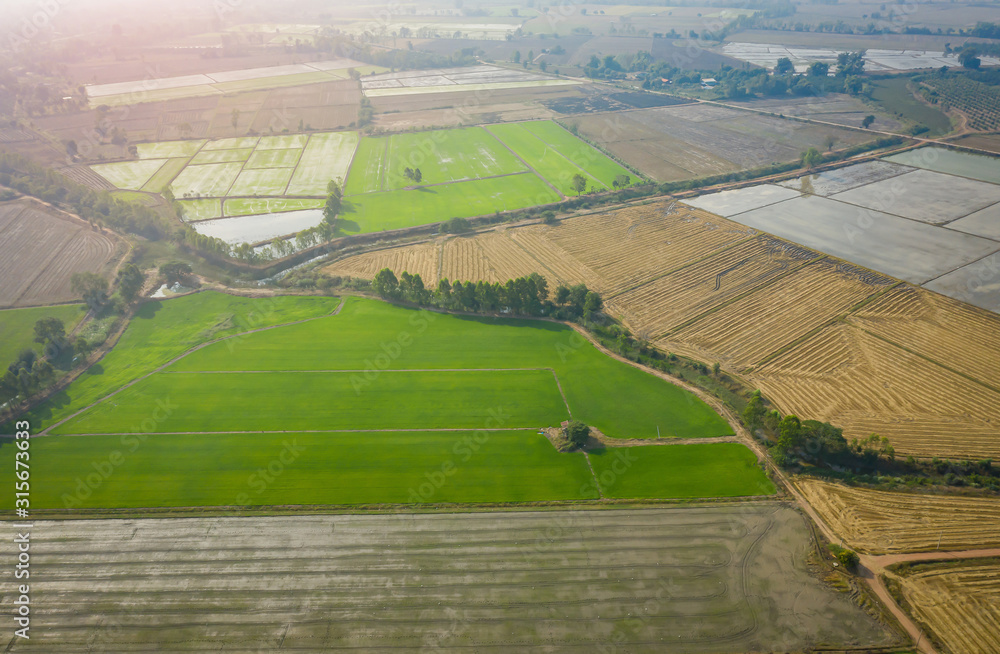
{"x": 927, "y": 216}
{"x": 388, "y": 397}
{"x": 464, "y": 172}
{"x": 823, "y": 339}
{"x": 452, "y": 80}
{"x": 502, "y": 580}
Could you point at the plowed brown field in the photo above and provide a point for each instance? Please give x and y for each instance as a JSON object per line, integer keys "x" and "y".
{"x": 882, "y": 522}
{"x": 41, "y": 250}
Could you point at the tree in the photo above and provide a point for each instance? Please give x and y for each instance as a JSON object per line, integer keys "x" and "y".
{"x": 385, "y": 283}
{"x": 811, "y": 157}
{"x": 50, "y": 331}
{"x": 753, "y": 414}
{"x": 818, "y": 69}
{"x": 829, "y": 142}
{"x": 174, "y": 271}
{"x": 543, "y": 65}
{"x": 867, "y": 121}
{"x": 334, "y": 203}
{"x": 592, "y": 302}
{"x": 562, "y": 294}
{"x": 789, "y": 432}
{"x": 91, "y": 287}
{"x": 850, "y": 63}
{"x": 716, "y": 368}
{"x": 848, "y": 558}
{"x": 622, "y": 181}
{"x": 784, "y": 66}
{"x": 417, "y": 175}
{"x": 577, "y": 433}
{"x": 130, "y": 280}
{"x": 969, "y": 58}
{"x": 517, "y": 56}
{"x": 579, "y": 183}
{"x": 234, "y": 118}
{"x": 71, "y": 148}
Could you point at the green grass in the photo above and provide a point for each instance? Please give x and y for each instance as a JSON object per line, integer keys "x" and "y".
{"x": 161, "y": 331}
{"x": 374, "y": 212}
{"x": 678, "y": 471}
{"x": 560, "y": 161}
{"x": 584, "y": 155}
{"x": 448, "y": 155}
{"x": 201, "y": 209}
{"x": 894, "y": 96}
{"x": 361, "y": 468}
{"x": 17, "y": 327}
{"x": 266, "y": 181}
{"x": 169, "y": 149}
{"x": 283, "y": 142}
{"x": 212, "y": 180}
{"x": 235, "y": 143}
{"x": 329, "y": 401}
{"x": 207, "y": 156}
{"x": 620, "y": 400}
{"x": 327, "y": 156}
{"x": 129, "y": 175}
{"x": 251, "y": 206}
{"x": 134, "y": 197}
{"x": 366, "y": 169}
{"x": 274, "y": 159}
{"x": 165, "y": 175}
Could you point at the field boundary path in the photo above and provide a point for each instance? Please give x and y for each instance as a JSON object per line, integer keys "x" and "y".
{"x": 135, "y": 381}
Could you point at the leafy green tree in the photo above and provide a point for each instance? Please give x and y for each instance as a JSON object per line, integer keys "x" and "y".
{"x": 579, "y": 183}
{"x": 811, "y": 157}
{"x": 517, "y": 56}
{"x": 818, "y": 69}
{"x": 91, "y": 287}
{"x": 850, "y": 63}
{"x": 867, "y": 121}
{"x": 577, "y": 433}
{"x": 334, "y": 203}
{"x": 622, "y": 181}
{"x": 417, "y": 175}
{"x": 130, "y": 281}
{"x": 784, "y": 66}
{"x": 385, "y": 283}
{"x": 753, "y": 414}
{"x": 562, "y": 294}
{"x": 50, "y": 330}
{"x": 969, "y": 58}
{"x": 848, "y": 558}
{"x": 789, "y": 432}
{"x": 592, "y": 303}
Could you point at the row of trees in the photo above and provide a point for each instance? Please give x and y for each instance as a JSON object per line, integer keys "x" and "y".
{"x": 527, "y": 295}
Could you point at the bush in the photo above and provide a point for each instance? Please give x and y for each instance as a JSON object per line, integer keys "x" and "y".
{"x": 577, "y": 432}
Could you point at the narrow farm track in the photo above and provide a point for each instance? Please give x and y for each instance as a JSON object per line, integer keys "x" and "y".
{"x": 132, "y": 383}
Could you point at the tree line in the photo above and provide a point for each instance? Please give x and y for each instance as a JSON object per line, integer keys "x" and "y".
{"x": 524, "y": 296}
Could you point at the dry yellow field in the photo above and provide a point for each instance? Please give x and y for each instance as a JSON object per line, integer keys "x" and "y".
{"x": 667, "y": 302}
{"x": 421, "y": 259}
{"x": 883, "y": 522}
{"x": 750, "y": 329}
{"x": 867, "y": 385}
{"x": 958, "y": 602}
{"x": 952, "y": 333}
{"x": 631, "y": 246}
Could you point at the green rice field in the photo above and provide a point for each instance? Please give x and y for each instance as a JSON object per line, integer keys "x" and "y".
{"x": 378, "y": 404}
{"x": 201, "y": 209}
